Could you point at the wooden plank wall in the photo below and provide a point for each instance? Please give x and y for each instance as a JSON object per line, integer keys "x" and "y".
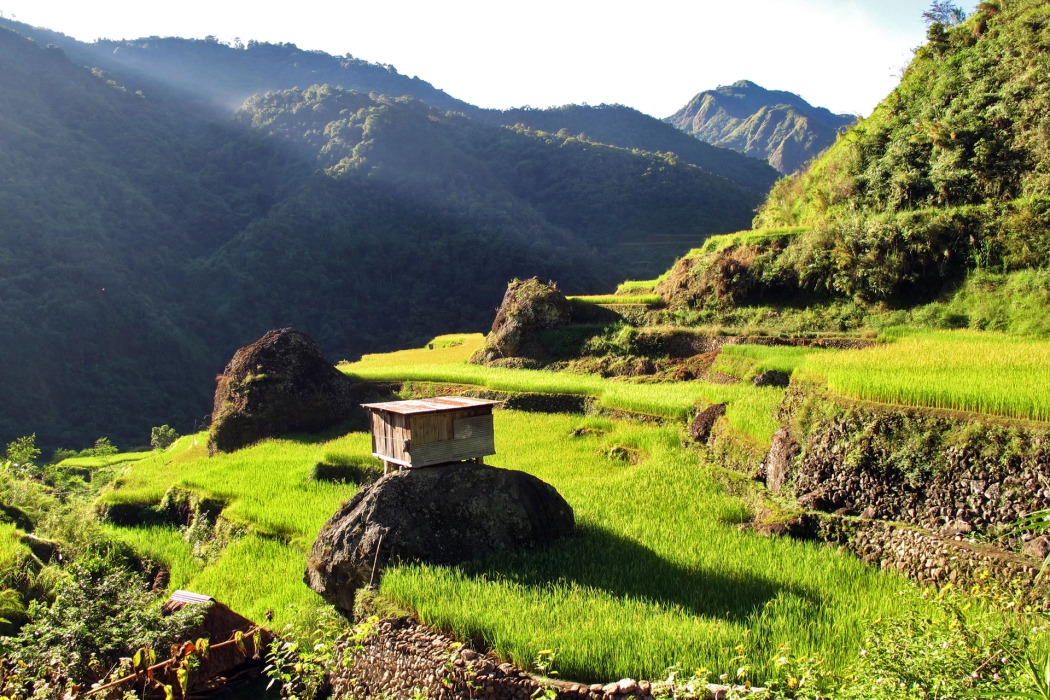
{"x": 389, "y": 433}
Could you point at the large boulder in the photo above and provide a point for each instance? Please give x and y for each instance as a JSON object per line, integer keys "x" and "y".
{"x": 279, "y": 384}
{"x": 439, "y": 515}
{"x": 529, "y": 307}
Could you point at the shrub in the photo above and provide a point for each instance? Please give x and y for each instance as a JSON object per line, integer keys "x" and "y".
{"x": 99, "y": 615}
{"x": 162, "y": 437}
{"x": 23, "y": 450}
{"x": 102, "y": 448}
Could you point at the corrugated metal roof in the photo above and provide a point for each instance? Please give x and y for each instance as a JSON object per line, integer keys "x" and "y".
{"x": 187, "y": 597}
{"x": 434, "y": 405}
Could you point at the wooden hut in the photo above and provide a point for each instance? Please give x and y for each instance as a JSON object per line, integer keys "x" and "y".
{"x": 425, "y": 432}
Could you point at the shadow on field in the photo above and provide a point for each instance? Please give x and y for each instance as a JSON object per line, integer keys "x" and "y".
{"x": 603, "y": 560}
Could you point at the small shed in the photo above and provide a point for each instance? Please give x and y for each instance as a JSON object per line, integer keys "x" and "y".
{"x": 424, "y": 432}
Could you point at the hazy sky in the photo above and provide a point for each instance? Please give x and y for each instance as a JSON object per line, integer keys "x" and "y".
{"x": 653, "y": 54}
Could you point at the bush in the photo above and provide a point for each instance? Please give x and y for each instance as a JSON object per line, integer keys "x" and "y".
{"x": 99, "y": 615}
{"x": 23, "y": 450}
{"x": 162, "y": 437}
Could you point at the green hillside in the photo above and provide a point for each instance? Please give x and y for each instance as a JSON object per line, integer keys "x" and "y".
{"x": 206, "y": 77}
{"x": 947, "y": 178}
{"x": 773, "y": 125}
{"x": 218, "y": 77}
{"x": 139, "y": 248}
{"x": 623, "y": 126}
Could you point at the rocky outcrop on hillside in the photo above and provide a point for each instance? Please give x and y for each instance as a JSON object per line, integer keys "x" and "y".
{"x": 279, "y": 384}
{"x": 439, "y": 515}
{"x": 773, "y": 125}
{"x": 529, "y": 307}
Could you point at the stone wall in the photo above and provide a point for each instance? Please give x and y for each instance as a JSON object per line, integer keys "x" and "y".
{"x": 929, "y": 558}
{"x": 402, "y": 659}
{"x": 943, "y": 473}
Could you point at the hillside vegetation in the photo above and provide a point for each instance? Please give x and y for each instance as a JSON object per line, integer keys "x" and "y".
{"x": 774, "y": 125}
{"x": 139, "y": 245}
{"x": 935, "y": 210}
{"x": 619, "y": 125}
{"x": 194, "y": 78}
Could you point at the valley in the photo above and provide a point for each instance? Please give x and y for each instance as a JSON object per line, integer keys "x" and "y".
{"x": 801, "y": 424}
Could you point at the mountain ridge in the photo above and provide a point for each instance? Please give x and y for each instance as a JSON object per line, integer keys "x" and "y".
{"x": 773, "y": 125}
{"x": 212, "y": 79}
{"x": 140, "y": 245}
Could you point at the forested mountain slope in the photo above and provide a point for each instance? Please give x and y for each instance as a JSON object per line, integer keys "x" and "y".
{"x": 223, "y": 76}
{"x": 948, "y": 176}
{"x": 214, "y": 79}
{"x": 623, "y": 126}
{"x": 777, "y": 126}
{"x": 139, "y": 249}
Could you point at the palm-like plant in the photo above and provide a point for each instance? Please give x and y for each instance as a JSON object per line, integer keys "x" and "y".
{"x": 10, "y": 605}
{"x": 1040, "y": 677}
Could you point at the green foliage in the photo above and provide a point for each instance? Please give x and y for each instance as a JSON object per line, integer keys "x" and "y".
{"x": 947, "y": 175}
{"x": 103, "y": 448}
{"x": 100, "y": 613}
{"x": 628, "y": 128}
{"x": 162, "y": 437}
{"x": 302, "y": 656}
{"x": 23, "y": 451}
{"x": 963, "y": 645}
{"x": 393, "y": 206}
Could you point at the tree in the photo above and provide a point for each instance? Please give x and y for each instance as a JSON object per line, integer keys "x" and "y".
{"x": 103, "y": 447}
{"x": 162, "y": 436}
{"x": 944, "y": 12}
{"x": 23, "y": 450}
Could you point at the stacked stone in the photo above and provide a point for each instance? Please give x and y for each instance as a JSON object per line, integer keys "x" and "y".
{"x": 402, "y": 659}
{"x": 986, "y": 476}
{"x": 933, "y": 559}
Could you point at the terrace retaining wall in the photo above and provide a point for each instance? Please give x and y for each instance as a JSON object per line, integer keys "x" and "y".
{"x": 928, "y": 558}
{"x": 401, "y": 659}
{"x": 949, "y": 474}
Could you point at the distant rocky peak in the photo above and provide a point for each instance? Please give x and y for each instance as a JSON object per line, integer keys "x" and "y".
{"x": 777, "y": 126}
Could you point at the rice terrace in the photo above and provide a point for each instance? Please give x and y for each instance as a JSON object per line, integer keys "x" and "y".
{"x": 451, "y": 402}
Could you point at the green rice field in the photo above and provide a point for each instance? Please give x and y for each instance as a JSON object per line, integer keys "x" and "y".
{"x": 640, "y": 299}
{"x": 962, "y": 370}
{"x": 750, "y": 409}
{"x": 660, "y": 573}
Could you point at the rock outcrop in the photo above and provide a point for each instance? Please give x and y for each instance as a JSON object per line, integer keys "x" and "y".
{"x": 279, "y": 384}
{"x": 773, "y": 377}
{"x": 529, "y": 307}
{"x": 440, "y": 515}
{"x": 700, "y": 428}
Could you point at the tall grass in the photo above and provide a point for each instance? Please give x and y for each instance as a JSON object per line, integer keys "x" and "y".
{"x": 162, "y": 545}
{"x": 960, "y": 370}
{"x": 748, "y": 361}
{"x": 618, "y": 299}
{"x": 658, "y": 575}
{"x": 256, "y": 574}
{"x": 11, "y": 547}
{"x": 630, "y": 287}
{"x": 458, "y": 349}
{"x": 104, "y": 461}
